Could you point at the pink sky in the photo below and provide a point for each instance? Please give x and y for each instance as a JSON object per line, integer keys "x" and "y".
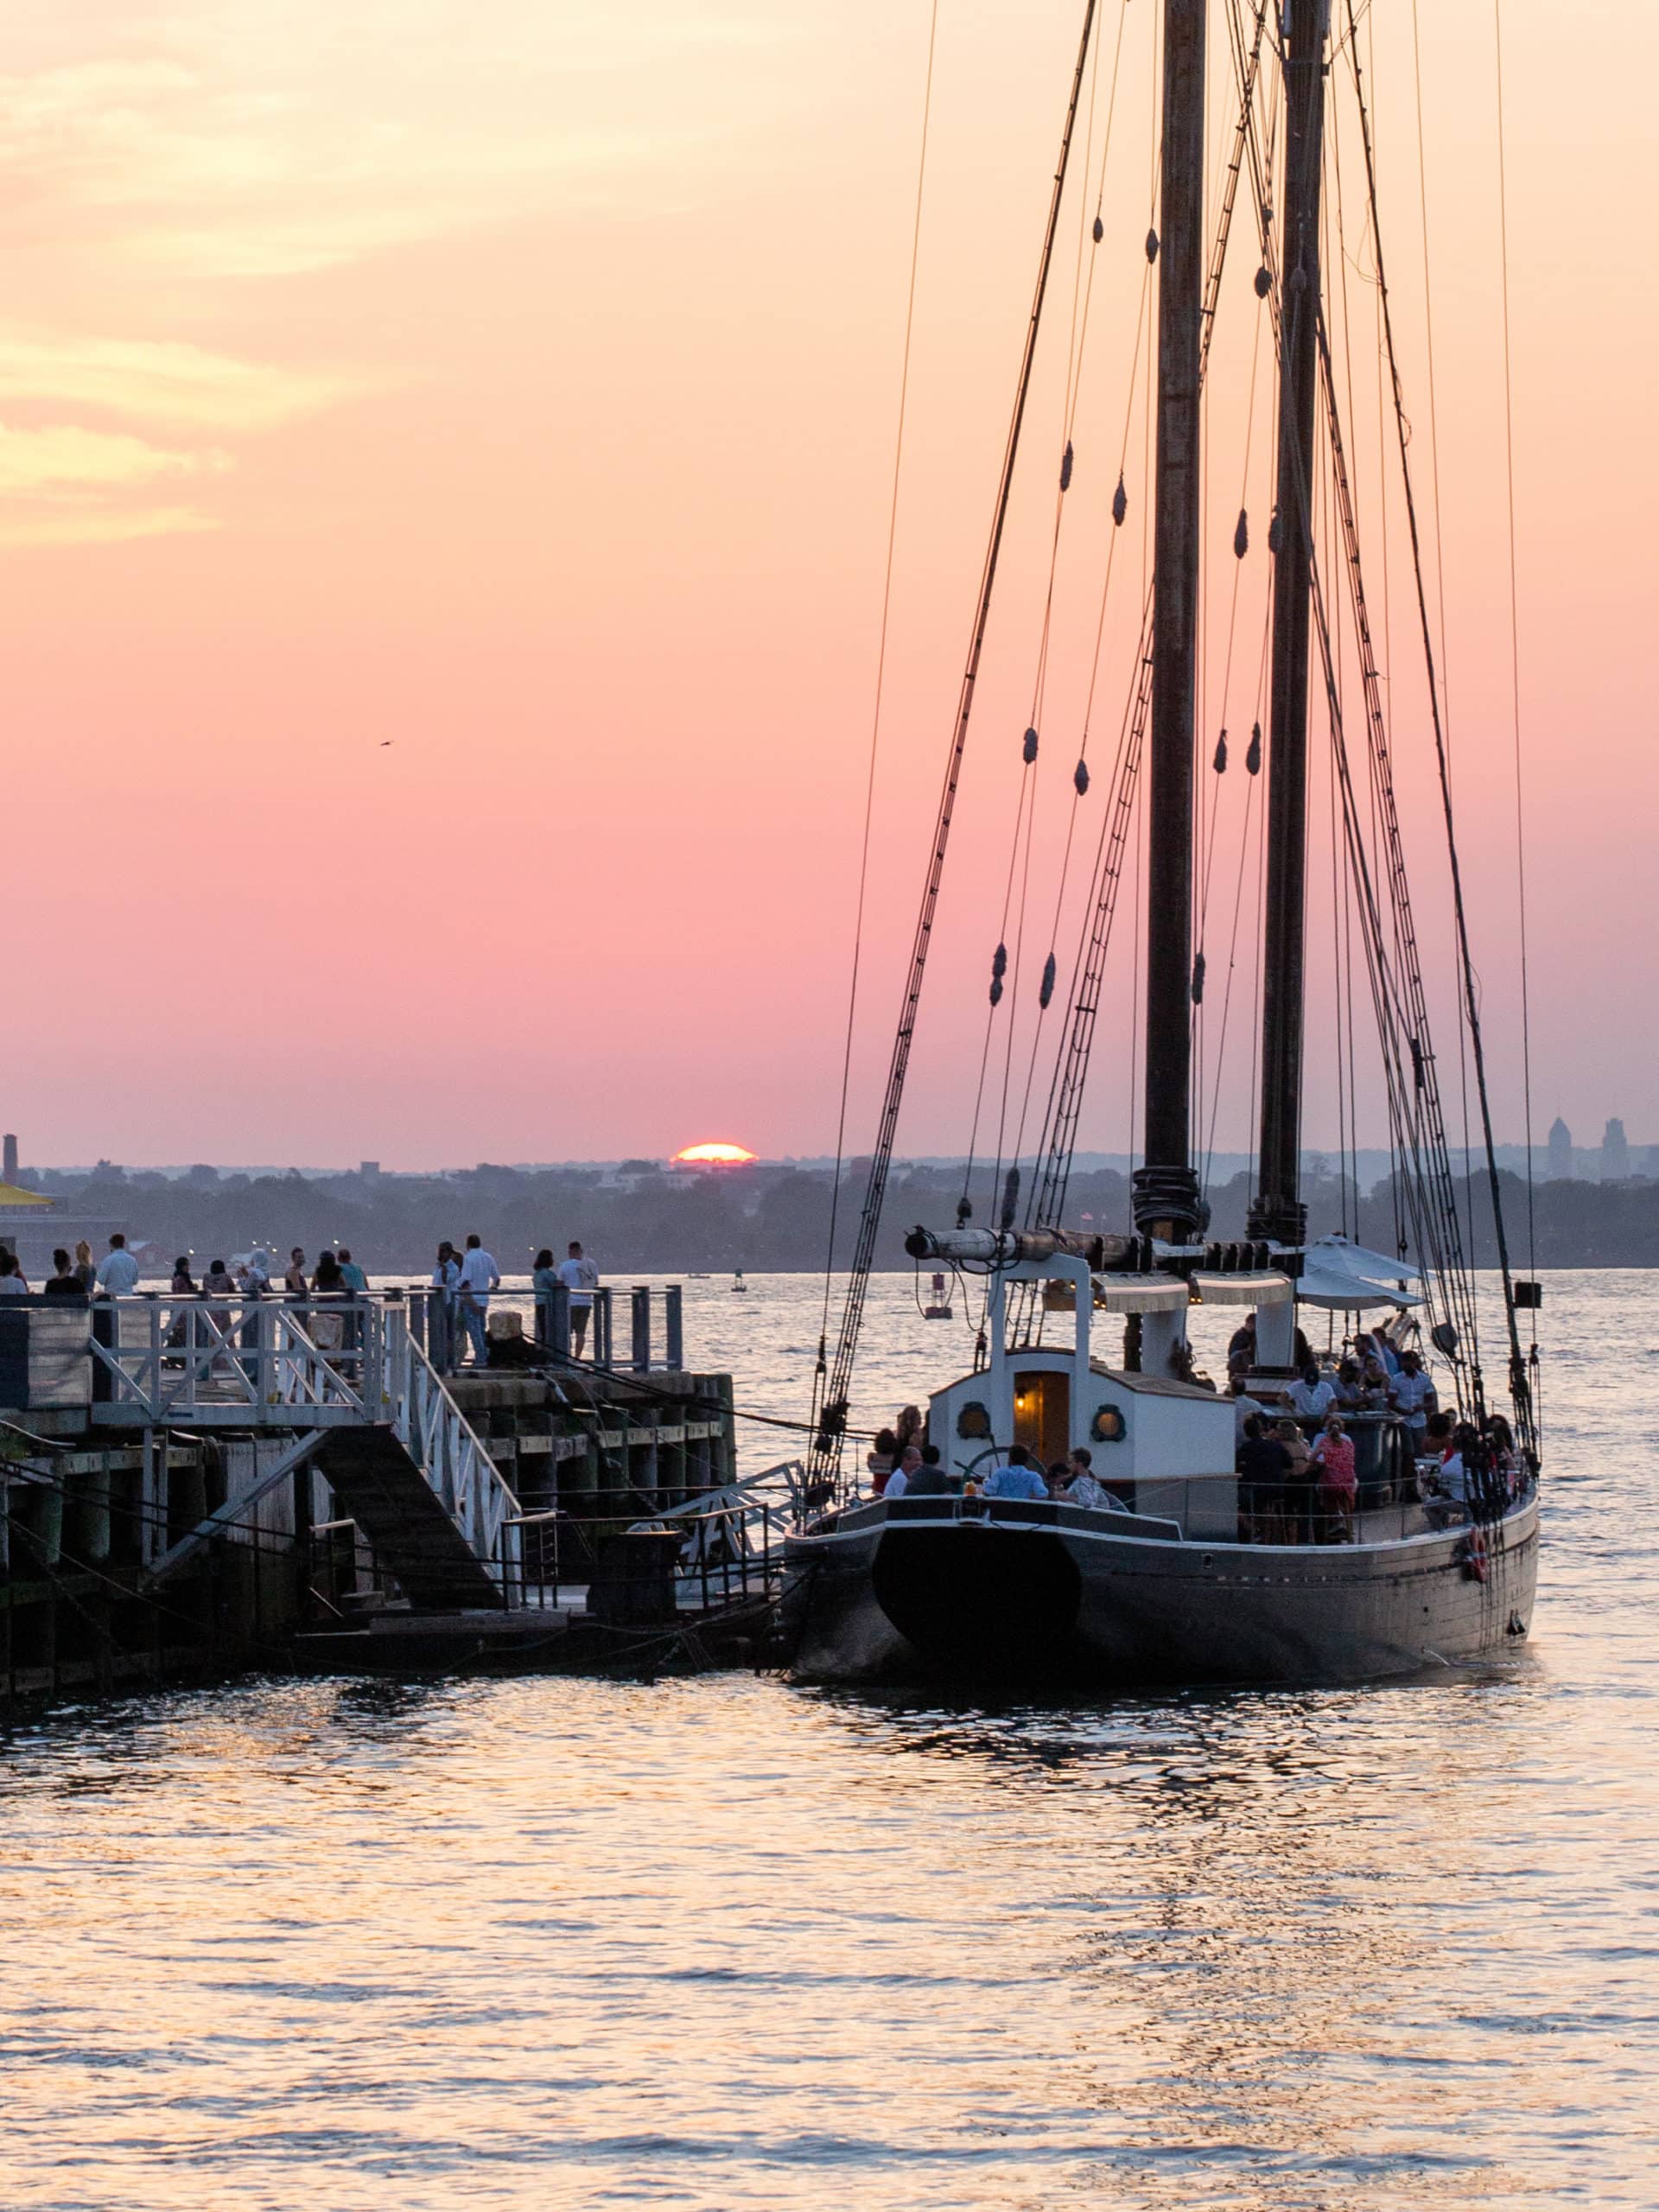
{"x": 520, "y": 385}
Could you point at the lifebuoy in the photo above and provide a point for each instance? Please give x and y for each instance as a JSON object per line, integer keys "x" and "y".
{"x": 1474, "y": 1556}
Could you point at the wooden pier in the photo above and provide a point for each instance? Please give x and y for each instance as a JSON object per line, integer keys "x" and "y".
{"x": 197, "y": 1486}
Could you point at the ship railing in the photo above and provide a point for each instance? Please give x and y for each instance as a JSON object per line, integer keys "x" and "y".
{"x": 723, "y": 1555}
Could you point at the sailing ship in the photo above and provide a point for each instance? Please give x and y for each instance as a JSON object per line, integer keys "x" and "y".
{"x": 1184, "y": 1574}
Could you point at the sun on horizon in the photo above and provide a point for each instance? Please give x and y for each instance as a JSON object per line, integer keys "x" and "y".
{"x": 714, "y": 1155}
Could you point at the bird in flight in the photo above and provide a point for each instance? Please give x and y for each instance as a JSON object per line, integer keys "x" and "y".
{"x": 384, "y": 742}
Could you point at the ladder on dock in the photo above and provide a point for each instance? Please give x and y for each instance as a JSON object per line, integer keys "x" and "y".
{"x": 349, "y": 1382}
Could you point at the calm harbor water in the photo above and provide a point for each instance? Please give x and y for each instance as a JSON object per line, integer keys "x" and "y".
{"x": 725, "y": 1942}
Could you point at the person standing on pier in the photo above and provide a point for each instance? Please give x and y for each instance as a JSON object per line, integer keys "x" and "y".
{"x": 478, "y": 1276}
{"x": 442, "y": 1332}
{"x": 580, "y": 1276}
{"x": 118, "y": 1275}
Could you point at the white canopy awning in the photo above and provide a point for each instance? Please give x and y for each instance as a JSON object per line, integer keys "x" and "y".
{"x": 1139, "y": 1294}
{"x": 1338, "y": 1292}
{"x": 1339, "y": 1256}
{"x": 1244, "y": 1290}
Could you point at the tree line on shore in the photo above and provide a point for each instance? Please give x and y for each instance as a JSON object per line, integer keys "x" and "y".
{"x": 645, "y": 1219}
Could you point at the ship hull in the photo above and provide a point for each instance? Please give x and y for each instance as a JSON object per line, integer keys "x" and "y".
{"x": 1062, "y": 1597}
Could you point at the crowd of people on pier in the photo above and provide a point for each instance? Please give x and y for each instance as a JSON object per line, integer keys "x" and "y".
{"x": 465, "y": 1278}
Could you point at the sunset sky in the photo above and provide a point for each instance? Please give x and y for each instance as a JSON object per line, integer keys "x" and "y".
{"x": 518, "y": 383}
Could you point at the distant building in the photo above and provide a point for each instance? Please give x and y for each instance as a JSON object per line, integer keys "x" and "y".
{"x": 1560, "y": 1152}
{"x": 8, "y": 1171}
{"x": 1615, "y": 1153}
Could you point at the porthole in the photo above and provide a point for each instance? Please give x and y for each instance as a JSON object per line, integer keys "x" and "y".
{"x": 1109, "y": 1426}
{"x": 974, "y": 1420}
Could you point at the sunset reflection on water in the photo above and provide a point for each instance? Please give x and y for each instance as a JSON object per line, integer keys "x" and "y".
{"x": 726, "y": 1943}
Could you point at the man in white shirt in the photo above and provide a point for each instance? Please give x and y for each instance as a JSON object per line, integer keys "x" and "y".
{"x": 118, "y": 1275}
{"x": 899, "y": 1481}
{"x": 1311, "y": 1396}
{"x": 581, "y": 1278}
{"x": 1414, "y": 1395}
{"x": 478, "y": 1276}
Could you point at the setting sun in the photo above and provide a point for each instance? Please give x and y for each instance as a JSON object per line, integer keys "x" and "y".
{"x": 714, "y": 1155}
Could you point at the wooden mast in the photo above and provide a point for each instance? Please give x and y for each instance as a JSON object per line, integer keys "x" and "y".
{"x": 1165, "y": 1189}
{"x": 1277, "y": 1210}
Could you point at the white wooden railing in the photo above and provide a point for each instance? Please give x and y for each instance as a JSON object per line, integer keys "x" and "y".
{"x": 317, "y": 1365}
{"x": 448, "y": 1451}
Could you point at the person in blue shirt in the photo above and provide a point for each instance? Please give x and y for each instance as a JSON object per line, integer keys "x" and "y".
{"x": 1018, "y": 1479}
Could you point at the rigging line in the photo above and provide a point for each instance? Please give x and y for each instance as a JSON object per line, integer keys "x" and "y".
{"x": 1232, "y": 622}
{"x": 1014, "y": 1007}
{"x": 1227, "y": 994}
{"x": 1439, "y": 552}
{"x": 1520, "y": 1380}
{"x": 832, "y": 1403}
{"x": 880, "y": 673}
{"x": 1071, "y": 1063}
{"x": 1515, "y": 650}
{"x": 1025, "y": 789}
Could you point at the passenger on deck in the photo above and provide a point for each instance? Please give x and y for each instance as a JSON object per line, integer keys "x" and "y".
{"x": 1017, "y": 1477}
{"x": 1339, "y": 1480}
{"x": 1311, "y": 1394}
{"x": 1444, "y": 1492}
{"x": 881, "y": 1460}
{"x": 1377, "y": 1344}
{"x": 14, "y": 1283}
{"x": 1241, "y": 1348}
{"x": 1414, "y": 1395}
{"x": 1302, "y": 1483}
{"x": 900, "y": 1480}
{"x": 1245, "y": 1409}
{"x": 1057, "y": 1476}
{"x": 1082, "y": 1487}
{"x": 63, "y": 1282}
{"x": 1263, "y": 1468}
{"x": 929, "y": 1480}
{"x": 1376, "y": 1388}
{"x": 910, "y": 1427}
{"x": 1500, "y": 1443}
{"x": 1350, "y": 1387}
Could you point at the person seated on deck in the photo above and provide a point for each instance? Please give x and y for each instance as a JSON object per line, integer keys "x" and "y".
{"x": 1312, "y": 1395}
{"x": 881, "y": 1460}
{"x": 1350, "y": 1387}
{"x": 1056, "y": 1476}
{"x": 1339, "y": 1480}
{"x": 1017, "y": 1477}
{"x": 1082, "y": 1487}
{"x": 929, "y": 1480}
{"x": 1500, "y": 1445}
{"x": 1263, "y": 1465}
{"x": 1439, "y": 1503}
{"x": 899, "y": 1481}
{"x": 1376, "y": 1390}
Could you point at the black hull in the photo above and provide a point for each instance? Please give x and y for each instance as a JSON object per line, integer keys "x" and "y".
{"x": 1067, "y": 1599}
